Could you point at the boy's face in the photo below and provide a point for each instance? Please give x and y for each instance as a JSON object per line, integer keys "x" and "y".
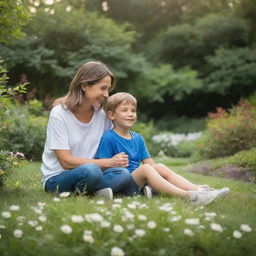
{"x": 124, "y": 116}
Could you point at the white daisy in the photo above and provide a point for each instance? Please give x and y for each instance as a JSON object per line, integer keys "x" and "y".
{"x": 66, "y": 229}
{"x": 2, "y": 227}
{"x": 20, "y": 218}
{"x": 175, "y": 218}
{"x": 77, "y": 218}
{"x": 56, "y": 199}
{"x": 18, "y": 233}
{"x": 105, "y": 224}
{"x": 140, "y": 232}
{"x": 118, "y": 200}
{"x": 93, "y": 217}
{"x": 88, "y": 238}
{"x": 39, "y": 228}
{"x": 245, "y": 228}
{"x": 216, "y": 227}
{"x": 192, "y": 221}
{"x": 33, "y": 223}
{"x": 64, "y": 194}
{"x": 130, "y": 226}
{"x": 131, "y": 206}
{"x": 117, "y": 251}
{"x": 14, "y": 208}
{"x": 6, "y": 215}
{"x": 100, "y": 202}
{"x": 237, "y": 234}
{"x": 118, "y": 228}
{"x": 151, "y": 224}
{"x": 142, "y": 217}
{"x": 188, "y": 232}
{"x": 42, "y": 218}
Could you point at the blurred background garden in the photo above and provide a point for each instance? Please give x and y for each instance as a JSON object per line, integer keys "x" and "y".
{"x": 192, "y": 66}
{"x": 190, "y": 63}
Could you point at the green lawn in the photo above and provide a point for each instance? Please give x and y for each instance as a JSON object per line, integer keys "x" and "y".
{"x": 138, "y": 235}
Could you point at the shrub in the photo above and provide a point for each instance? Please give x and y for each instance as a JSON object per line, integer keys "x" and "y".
{"x": 229, "y": 132}
{"x": 22, "y": 131}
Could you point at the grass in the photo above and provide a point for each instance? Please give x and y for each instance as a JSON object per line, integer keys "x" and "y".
{"x": 23, "y": 188}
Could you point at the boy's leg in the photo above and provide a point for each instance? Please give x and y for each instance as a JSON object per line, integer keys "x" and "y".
{"x": 84, "y": 178}
{"x": 147, "y": 174}
{"x": 118, "y": 179}
{"x": 174, "y": 178}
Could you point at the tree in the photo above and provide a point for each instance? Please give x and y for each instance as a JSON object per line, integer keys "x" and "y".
{"x": 13, "y": 15}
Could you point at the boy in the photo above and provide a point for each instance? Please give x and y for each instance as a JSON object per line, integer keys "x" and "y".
{"x": 121, "y": 109}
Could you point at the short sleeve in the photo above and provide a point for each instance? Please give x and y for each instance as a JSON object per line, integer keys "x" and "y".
{"x": 144, "y": 151}
{"x": 105, "y": 149}
{"x": 58, "y": 134}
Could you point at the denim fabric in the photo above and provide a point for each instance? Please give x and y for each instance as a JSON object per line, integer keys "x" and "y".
{"x": 88, "y": 178}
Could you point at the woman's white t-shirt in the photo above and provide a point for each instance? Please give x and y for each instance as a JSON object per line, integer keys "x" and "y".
{"x": 65, "y": 131}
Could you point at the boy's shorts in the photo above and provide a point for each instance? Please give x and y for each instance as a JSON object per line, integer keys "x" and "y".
{"x": 133, "y": 188}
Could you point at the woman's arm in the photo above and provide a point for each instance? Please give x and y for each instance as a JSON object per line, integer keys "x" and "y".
{"x": 68, "y": 161}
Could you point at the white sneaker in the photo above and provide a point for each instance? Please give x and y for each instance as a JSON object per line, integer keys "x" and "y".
{"x": 204, "y": 197}
{"x": 107, "y": 193}
{"x": 223, "y": 192}
{"x": 204, "y": 188}
{"x": 147, "y": 192}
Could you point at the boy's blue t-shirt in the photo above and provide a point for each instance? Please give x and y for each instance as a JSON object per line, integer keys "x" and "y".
{"x": 111, "y": 144}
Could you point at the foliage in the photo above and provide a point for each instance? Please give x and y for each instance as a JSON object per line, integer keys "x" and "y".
{"x": 232, "y": 72}
{"x": 50, "y": 55}
{"x": 188, "y": 44}
{"x": 22, "y": 131}
{"x": 7, "y": 159}
{"x": 13, "y": 15}
{"x": 245, "y": 159}
{"x": 229, "y": 132}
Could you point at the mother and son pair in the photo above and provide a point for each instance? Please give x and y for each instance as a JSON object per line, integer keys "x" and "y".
{"x": 91, "y": 149}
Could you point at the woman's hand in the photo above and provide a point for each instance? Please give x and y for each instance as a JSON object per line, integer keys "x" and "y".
{"x": 120, "y": 160}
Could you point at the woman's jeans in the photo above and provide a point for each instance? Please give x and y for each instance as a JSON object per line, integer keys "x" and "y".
{"x": 88, "y": 178}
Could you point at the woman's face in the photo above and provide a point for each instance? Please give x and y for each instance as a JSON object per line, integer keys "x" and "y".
{"x": 96, "y": 94}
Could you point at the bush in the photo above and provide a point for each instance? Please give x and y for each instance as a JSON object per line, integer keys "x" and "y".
{"x": 229, "y": 132}
{"x": 22, "y": 131}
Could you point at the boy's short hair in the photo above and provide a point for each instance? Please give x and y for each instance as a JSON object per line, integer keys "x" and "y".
{"x": 116, "y": 99}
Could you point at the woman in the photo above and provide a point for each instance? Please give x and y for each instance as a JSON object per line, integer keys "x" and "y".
{"x": 74, "y": 129}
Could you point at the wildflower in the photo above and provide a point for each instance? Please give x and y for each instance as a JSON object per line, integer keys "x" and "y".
{"x": 245, "y": 228}
{"x": 116, "y": 251}
{"x": 6, "y": 215}
{"x": 166, "y": 229}
{"x": 237, "y": 234}
{"x": 41, "y": 204}
{"x": 77, "y": 218}
{"x": 142, "y": 217}
{"x": 140, "y": 232}
{"x": 56, "y": 199}
{"x": 18, "y": 233}
{"x": 42, "y": 218}
{"x": 216, "y": 227}
{"x": 166, "y": 207}
{"x": 2, "y": 227}
{"x": 188, "y": 232}
{"x": 175, "y": 218}
{"x": 131, "y": 206}
{"x": 210, "y": 214}
{"x": 105, "y": 224}
{"x": 88, "y": 238}
{"x": 14, "y": 208}
{"x": 37, "y": 210}
{"x": 93, "y": 217}
{"x": 151, "y": 224}
{"x": 101, "y": 202}
{"x": 118, "y": 228}
{"x": 116, "y": 205}
{"x": 64, "y": 194}
{"x": 39, "y": 228}
{"x": 192, "y": 221}
{"x": 128, "y": 215}
{"x": 66, "y": 229}
{"x": 32, "y": 223}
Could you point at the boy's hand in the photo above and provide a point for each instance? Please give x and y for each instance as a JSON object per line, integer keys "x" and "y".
{"x": 120, "y": 159}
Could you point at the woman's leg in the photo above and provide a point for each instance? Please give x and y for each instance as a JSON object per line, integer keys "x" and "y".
{"x": 174, "y": 178}
{"x": 146, "y": 174}
{"x": 82, "y": 179}
{"x": 118, "y": 179}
